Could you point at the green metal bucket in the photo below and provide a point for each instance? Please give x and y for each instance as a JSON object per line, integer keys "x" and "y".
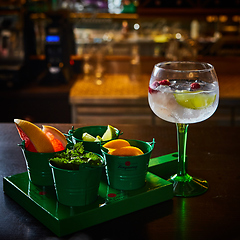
{"x": 38, "y": 169}
{"x": 128, "y": 173}
{"x": 75, "y": 136}
{"x": 77, "y": 187}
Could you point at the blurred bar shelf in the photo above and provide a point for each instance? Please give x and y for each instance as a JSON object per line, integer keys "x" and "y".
{"x": 104, "y": 15}
{"x": 75, "y": 15}
{"x": 186, "y": 12}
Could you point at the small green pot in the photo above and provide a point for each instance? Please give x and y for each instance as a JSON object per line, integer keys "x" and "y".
{"x": 38, "y": 169}
{"x": 75, "y": 136}
{"x": 128, "y": 173}
{"x": 77, "y": 187}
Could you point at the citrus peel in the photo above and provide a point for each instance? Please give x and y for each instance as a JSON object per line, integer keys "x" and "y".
{"x": 194, "y": 100}
{"x": 109, "y": 134}
{"x": 117, "y": 143}
{"x": 37, "y": 140}
{"x": 126, "y": 151}
{"x": 121, "y": 147}
{"x": 57, "y": 138}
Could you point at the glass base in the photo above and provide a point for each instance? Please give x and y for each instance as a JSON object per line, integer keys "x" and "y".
{"x": 187, "y": 186}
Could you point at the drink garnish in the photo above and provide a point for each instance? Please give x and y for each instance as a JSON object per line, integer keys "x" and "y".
{"x": 109, "y": 134}
{"x": 156, "y": 84}
{"x": 164, "y": 82}
{"x": 71, "y": 159}
{"x": 194, "y": 100}
{"x": 47, "y": 139}
{"x": 150, "y": 90}
{"x": 121, "y": 147}
{"x": 195, "y": 85}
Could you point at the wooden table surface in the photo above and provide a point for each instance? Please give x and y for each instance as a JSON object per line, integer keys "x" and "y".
{"x": 212, "y": 154}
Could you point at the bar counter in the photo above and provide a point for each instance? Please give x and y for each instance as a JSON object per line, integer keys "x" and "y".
{"x": 212, "y": 155}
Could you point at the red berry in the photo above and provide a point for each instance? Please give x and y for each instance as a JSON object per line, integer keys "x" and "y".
{"x": 165, "y": 82}
{"x": 155, "y": 84}
{"x": 195, "y": 85}
{"x": 150, "y": 90}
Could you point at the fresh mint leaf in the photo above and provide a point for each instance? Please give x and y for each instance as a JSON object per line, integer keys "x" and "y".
{"x": 72, "y": 158}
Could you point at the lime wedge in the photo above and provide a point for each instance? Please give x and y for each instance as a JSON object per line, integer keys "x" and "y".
{"x": 98, "y": 139}
{"x": 88, "y": 137}
{"x": 109, "y": 134}
{"x": 195, "y": 100}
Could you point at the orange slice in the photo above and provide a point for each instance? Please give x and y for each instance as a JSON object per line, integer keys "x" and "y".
{"x": 117, "y": 143}
{"x": 35, "y": 137}
{"x": 56, "y": 137}
{"x": 126, "y": 151}
{"x": 28, "y": 144}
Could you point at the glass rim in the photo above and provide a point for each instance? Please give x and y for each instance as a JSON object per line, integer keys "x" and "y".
{"x": 208, "y": 66}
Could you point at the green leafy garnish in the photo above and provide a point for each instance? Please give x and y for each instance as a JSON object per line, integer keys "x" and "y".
{"x": 71, "y": 159}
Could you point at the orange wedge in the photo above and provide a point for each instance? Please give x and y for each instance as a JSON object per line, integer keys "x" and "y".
{"x": 117, "y": 143}
{"x": 33, "y": 136}
{"x": 126, "y": 151}
{"x": 57, "y": 139}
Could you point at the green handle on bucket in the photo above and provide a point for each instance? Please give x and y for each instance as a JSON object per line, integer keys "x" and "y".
{"x": 120, "y": 133}
{"x": 22, "y": 145}
{"x": 69, "y": 135}
{"x": 152, "y": 143}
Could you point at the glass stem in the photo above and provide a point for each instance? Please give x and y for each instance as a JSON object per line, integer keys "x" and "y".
{"x": 182, "y": 145}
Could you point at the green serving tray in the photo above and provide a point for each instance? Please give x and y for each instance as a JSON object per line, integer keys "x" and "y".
{"x": 42, "y": 203}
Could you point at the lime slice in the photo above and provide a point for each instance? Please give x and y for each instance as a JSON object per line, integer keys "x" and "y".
{"x": 109, "y": 134}
{"x": 98, "y": 139}
{"x": 194, "y": 100}
{"x": 88, "y": 137}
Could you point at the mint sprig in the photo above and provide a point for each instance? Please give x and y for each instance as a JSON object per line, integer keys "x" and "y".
{"x": 71, "y": 159}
